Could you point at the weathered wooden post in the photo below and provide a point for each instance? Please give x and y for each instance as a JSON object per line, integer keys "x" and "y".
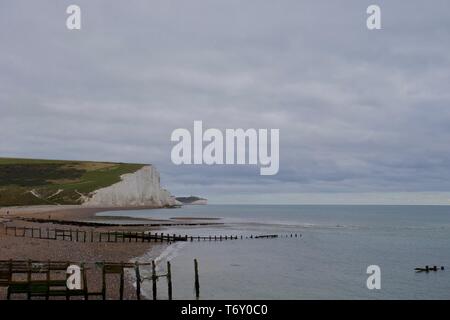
{"x": 85, "y": 286}
{"x": 197, "y": 284}
{"x": 121, "y": 281}
{"x": 169, "y": 280}
{"x": 138, "y": 280}
{"x": 29, "y": 279}
{"x": 67, "y": 277}
{"x": 103, "y": 280}
{"x": 47, "y": 280}
{"x": 154, "y": 279}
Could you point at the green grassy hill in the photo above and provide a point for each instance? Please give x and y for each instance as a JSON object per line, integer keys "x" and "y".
{"x": 39, "y": 182}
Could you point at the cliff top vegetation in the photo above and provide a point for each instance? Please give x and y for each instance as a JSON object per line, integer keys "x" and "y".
{"x": 44, "y": 182}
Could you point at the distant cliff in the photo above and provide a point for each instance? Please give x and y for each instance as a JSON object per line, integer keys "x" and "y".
{"x": 192, "y": 200}
{"x": 141, "y": 188}
{"x": 26, "y": 182}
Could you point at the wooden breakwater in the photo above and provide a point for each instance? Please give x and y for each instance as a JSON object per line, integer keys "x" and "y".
{"x": 79, "y": 235}
{"x": 111, "y": 224}
{"x": 47, "y": 279}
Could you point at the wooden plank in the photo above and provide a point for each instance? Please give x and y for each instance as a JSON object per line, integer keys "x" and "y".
{"x": 29, "y": 280}
{"x": 169, "y": 280}
{"x": 121, "y": 282}
{"x": 138, "y": 281}
{"x": 48, "y": 281}
{"x": 103, "y": 282}
{"x": 197, "y": 283}
{"x": 154, "y": 278}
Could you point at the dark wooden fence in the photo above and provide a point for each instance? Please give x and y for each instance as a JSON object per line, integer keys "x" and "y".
{"x": 77, "y": 235}
{"x": 52, "y": 287}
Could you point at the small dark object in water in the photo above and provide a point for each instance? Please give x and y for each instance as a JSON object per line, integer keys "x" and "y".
{"x": 427, "y": 269}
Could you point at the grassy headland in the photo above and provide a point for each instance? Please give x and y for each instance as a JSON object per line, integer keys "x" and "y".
{"x": 43, "y": 182}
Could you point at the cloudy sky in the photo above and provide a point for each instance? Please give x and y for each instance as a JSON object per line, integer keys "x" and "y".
{"x": 364, "y": 116}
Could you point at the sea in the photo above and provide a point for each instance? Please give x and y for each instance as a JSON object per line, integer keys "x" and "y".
{"x": 329, "y": 258}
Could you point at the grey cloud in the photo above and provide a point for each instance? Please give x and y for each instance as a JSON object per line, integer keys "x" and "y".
{"x": 358, "y": 111}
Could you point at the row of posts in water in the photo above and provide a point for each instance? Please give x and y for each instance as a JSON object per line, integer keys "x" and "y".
{"x": 125, "y": 236}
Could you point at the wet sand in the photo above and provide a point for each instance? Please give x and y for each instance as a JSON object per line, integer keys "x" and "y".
{"x": 63, "y": 212}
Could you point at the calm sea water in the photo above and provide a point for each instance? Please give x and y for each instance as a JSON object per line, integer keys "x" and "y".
{"x": 329, "y": 261}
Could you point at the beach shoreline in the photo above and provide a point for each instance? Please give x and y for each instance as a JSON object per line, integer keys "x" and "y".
{"x": 23, "y": 248}
{"x": 63, "y": 212}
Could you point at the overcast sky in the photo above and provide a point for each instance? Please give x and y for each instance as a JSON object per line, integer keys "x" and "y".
{"x": 364, "y": 116}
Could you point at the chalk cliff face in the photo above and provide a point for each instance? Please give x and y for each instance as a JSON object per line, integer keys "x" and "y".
{"x": 141, "y": 188}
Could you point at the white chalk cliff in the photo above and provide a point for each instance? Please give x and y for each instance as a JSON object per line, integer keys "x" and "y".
{"x": 141, "y": 188}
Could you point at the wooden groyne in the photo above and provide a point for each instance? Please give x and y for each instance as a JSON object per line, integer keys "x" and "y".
{"x": 79, "y": 235}
{"x": 54, "y": 283}
{"x": 268, "y": 236}
{"x": 108, "y": 224}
